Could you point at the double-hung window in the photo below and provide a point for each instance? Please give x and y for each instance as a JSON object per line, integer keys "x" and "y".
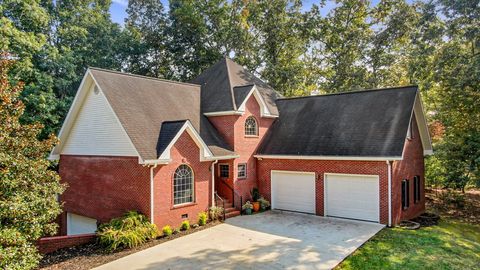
{"x": 242, "y": 170}
{"x": 224, "y": 170}
{"x": 416, "y": 188}
{"x": 405, "y": 194}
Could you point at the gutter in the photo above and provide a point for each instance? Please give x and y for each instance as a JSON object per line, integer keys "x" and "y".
{"x": 213, "y": 181}
{"x": 389, "y": 172}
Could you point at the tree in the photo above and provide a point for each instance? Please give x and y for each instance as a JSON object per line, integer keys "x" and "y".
{"x": 340, "y": 41}
{"x": 279, "y": 27}
{"x": 24, "y": 27}
{"x": 146, "y": 39}
{"x": 197, "y": 32}
{"x": 29, "y": 188}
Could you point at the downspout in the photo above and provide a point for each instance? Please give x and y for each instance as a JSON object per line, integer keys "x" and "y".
{"x": 389, "y": 165}
{"x": 213, "y": 181}
{"x": 152, "y": 168}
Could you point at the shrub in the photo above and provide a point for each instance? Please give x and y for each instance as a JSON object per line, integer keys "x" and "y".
{"x": 264, "y": 203}
{"x": 167, "y": 230}
{"x": 215, "y": 212}
{"x": 185, "y": 225}
{"x": 130, "y": 230}
{"x": 247, "y": 205}
{"x": 202, "y": 218}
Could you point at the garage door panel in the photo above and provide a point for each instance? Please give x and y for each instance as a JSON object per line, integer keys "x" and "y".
{"x": 352, "y": 196}
{"x": 293, "y": 191}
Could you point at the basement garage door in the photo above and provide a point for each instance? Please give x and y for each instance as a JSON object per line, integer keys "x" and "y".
{"x": 352, "y": 196}
{"x": 293, "y": 191}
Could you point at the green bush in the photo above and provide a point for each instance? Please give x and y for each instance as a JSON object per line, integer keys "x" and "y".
{"x": 167, "y": 230}
{"x": 202, "y": 218}
{"x": 185, "y": 225}
{"x": 215, "y": 212}
{"x": 264, "y": 203}
{"x": 130, "y": 230}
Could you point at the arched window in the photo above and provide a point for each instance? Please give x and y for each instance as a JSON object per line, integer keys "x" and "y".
{"x": 183, "y": 185}
{"x": 251, "y": 126}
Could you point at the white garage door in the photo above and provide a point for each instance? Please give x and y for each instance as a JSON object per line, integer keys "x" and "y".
{"x": 352, "y": 196}
{"x": 293, "y": 191}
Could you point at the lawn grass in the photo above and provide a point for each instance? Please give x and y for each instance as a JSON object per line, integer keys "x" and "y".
{"x": 449, "y": 245}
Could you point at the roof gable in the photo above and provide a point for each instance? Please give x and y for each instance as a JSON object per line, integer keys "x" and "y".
{"x": 142, "y": 104}
{"x": 370, "y": 123}
{"x": 225, "y": 85}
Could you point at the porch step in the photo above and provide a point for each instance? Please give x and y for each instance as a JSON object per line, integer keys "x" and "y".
{"x": 232, "y": 214}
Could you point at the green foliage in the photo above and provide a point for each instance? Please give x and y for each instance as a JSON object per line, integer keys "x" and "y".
{"x": 202, "y": 218}
{"x": 167, "y": 230}
{"x": 264, "y": 203}
{"x": 28, "y": 187}
{"x": 185, "y": 225}
{"x": 247, "y": 205}
{"x": 130, "y": 230}
{"x": 215, "y": 213}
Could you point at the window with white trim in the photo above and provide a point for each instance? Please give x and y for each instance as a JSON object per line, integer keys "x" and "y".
{"x": 242, "y": 170}
{"x": 251, "y": 128}
{"x": 224, "y": 170}
{"x": 183, "y": 185}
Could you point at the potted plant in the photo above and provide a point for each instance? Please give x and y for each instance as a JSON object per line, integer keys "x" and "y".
{"x": 255, "y": 196}
{"x": 247, "y": 207}
{"x": 264, "y": 203}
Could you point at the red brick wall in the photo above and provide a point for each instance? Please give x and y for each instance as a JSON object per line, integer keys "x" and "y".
{"x": 232, "y": 128}
{"x": 102, "y": 187}
{"x": 411, "y": 165}
{"x": 184, "y": 151}
{"x": 326, "y": 166}
{"x": 246, "y": 147}
{"x": 50, "y": 244}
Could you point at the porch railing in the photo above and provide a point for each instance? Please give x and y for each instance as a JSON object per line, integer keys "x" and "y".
{"x": 237, "y": 199}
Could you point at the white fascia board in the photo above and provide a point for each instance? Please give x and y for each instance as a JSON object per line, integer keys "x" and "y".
{"x": 264, "y": 112}
{"x": 205, "y": 153}
{"x": 71, "y": 115}
{"x": 222, "y": 113}
{"x": 75, "y": 109}
{"x": 427, "y": 152}
{"x": 222, "y": 157}
{"x": 327, "y": 157}
{"x": 422, "y": 124}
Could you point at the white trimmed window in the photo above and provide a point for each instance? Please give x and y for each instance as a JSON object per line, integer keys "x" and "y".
{"x": 183, "y": 185}
{"x": 242, "y": 170}
{"x": 251, "y": 128}
{"x": 224, "y": 170}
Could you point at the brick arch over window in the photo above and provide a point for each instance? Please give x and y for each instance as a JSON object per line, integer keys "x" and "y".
{"x": 251, "y": 126}
{"x": 183, "y": 185}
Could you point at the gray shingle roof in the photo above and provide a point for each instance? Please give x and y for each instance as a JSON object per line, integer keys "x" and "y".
{"x": 219, "y": 84}
{"x": 143, "y": 104}
{"x": 370, "y": 123}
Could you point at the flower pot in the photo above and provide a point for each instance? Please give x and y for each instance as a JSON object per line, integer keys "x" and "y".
{"x": 248, "y": 211}
{"x": 256, "y": 206}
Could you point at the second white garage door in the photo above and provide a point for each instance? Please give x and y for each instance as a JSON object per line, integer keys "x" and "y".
{"x": 293, "y": 191}
{"x": 352, "y": 196}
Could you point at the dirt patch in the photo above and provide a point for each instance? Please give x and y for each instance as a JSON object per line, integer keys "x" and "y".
{"x": 92, "y": 255}
{"x": 454, "y": 204}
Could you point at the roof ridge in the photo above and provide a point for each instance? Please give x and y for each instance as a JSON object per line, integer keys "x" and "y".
{"x": 230, "y": 84}
{"x": 351, "y": 92}
{"x": 142, "y": 76}
{"x": 240, "y": 86}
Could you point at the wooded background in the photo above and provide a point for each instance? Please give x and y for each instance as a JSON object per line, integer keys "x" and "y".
{"x": 433, "y": 44}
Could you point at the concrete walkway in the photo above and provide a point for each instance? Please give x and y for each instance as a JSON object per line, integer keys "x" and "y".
{"x": 271, "y": 240}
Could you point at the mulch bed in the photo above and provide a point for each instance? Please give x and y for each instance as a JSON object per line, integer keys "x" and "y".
{"x": 92, "y": 255}
{"x": 468, "y": 211}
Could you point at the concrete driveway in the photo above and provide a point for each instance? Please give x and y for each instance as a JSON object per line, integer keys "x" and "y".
{"x": 271, "y": 240}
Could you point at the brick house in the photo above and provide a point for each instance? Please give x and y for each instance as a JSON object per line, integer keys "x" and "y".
{"x": 171, "y": 150}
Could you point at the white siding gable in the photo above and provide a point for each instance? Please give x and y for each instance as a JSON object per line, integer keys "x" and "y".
{"x": 97, "y": 131}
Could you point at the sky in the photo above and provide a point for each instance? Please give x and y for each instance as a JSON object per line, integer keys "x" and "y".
{"x": 118, "y": 7}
